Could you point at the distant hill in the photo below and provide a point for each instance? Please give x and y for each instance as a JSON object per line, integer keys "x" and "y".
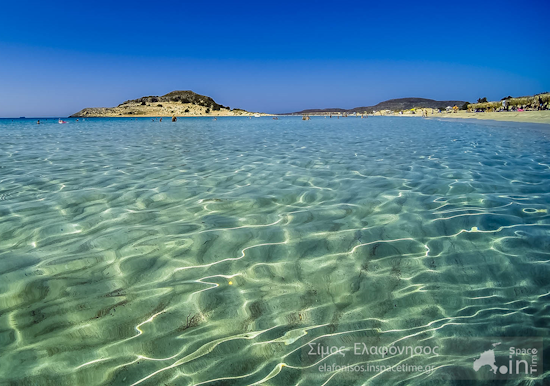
{"x": 391, "y": 104}
{"x": 179, "y": 103}
{"x": 179, "y": 96}
{"x": 407, "y": 104}
{"x": 312, "y": 111}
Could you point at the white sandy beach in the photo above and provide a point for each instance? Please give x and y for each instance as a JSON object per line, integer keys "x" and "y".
{"x": 510, "y": 116}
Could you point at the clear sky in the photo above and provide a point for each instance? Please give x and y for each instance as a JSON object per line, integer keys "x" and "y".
{"x": 57, "y": 57}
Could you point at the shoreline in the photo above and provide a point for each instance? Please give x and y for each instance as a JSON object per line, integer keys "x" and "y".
{"x": 168, "y": 116}
{"x": 537, "y": 117}
{"x": 541, "y": 117}
{"x": 500, "y": 123}
{"x": 209, "y": 115}
{"x": 133, "y": 116}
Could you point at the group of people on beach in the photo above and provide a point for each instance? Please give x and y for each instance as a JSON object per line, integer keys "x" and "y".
{"x": 536, "y": 104}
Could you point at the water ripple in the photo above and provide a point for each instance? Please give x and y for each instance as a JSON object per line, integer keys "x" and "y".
{"x": 201, "y": 252}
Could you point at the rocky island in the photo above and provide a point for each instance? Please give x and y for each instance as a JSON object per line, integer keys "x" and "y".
{"x": 175, "y": 103}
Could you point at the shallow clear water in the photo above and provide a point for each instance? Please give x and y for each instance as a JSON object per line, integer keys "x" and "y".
{"x": 139, "y": 252}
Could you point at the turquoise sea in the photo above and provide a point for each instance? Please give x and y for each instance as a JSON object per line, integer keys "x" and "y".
{"x": 224, "y": 252}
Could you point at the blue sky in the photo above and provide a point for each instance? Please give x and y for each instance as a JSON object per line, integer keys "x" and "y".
{"x": 58, "y": 57}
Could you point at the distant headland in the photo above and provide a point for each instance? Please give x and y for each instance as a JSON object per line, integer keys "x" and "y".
{"x": 175, "y": 103}
{"x": 391, "y": 104}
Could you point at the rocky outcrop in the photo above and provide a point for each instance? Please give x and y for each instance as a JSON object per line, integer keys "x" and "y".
{"x": 179, "y": 97}
{"x": 175, "y": 103}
